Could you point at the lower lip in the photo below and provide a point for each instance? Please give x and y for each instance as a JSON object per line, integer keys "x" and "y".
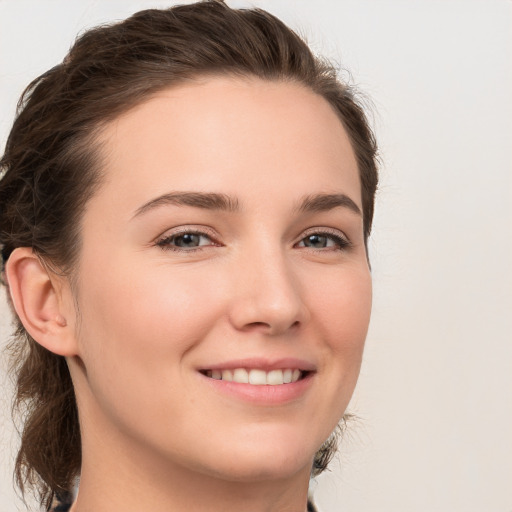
{"x": 265, "y": 394}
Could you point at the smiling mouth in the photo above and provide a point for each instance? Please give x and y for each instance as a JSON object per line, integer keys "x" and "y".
{"x": 257, "y": 377}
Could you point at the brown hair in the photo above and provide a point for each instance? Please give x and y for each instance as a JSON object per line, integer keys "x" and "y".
{"x": 51, "y": 168}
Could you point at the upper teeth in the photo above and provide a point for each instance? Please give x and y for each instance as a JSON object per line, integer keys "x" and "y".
{"x": 257, "y": 377}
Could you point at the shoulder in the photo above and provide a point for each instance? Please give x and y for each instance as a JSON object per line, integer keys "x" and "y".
{"x": 311, "y": 507}
{"x": 61, "y": 503}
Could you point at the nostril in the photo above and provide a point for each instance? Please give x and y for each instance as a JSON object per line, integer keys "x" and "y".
{"x": 258, "y": 324}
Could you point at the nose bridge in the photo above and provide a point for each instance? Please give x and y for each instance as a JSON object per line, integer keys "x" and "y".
{"x": 268, "y": 295}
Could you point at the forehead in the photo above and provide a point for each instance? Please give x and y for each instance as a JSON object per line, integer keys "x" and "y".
{"x": 229, "y": 135}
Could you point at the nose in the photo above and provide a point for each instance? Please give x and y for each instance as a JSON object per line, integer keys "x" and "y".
{"x": 268, "y": 296}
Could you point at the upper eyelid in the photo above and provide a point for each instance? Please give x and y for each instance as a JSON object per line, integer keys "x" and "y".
{"x": 326, "y": 231}
{"x": 203, "y": 230}
{"x": 199, "y": 230}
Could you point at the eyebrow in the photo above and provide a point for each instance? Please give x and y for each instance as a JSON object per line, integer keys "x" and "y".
{"x": 204, "y": 200}
{"x": 326, "y": 202}
{"x": 224, "y": 202}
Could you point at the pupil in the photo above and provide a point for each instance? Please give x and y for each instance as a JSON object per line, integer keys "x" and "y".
{"x": 316, "y": 241}
{"x": 187, "y": 240}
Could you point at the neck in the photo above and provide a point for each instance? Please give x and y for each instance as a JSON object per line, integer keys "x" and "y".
{"x": 119, "y": 475}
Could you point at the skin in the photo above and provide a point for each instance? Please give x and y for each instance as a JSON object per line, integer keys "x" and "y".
{"x": 156, "y": 435}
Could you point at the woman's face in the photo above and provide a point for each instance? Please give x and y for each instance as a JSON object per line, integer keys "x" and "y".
{"x": 226, "y": 240}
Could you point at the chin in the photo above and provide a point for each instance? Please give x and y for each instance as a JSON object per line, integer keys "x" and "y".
{"x": 264, "y": 472}
{"x": 263, "y": 462}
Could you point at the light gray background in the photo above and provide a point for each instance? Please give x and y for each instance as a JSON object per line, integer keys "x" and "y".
{"x": 434, "y": 396}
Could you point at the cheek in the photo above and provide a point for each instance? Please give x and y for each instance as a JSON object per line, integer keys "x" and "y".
{"x": 138, "y": 292}
{"x": 136, "y": 332}
{"x": 132, "y": 321}
{"x": 343, "y": 306}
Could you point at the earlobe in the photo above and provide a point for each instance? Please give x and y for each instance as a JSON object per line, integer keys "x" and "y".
{"x": 38, "y": 301}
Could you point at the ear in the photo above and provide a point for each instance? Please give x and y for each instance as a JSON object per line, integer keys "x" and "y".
{"x": 42, "y": 302}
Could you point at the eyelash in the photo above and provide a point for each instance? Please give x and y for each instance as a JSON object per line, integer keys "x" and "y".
{"x": 341, "y": 243}
{"x": 165, "y": 242}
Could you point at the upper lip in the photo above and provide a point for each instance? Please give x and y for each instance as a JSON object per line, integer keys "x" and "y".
{"x": 258, "y": 363}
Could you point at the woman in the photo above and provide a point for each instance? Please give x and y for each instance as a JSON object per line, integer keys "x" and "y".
{"x": 184, "y": 216}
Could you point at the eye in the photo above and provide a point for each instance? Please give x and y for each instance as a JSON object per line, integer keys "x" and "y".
{"x": 185, "y": 241}
{"x": 324, "y": 240}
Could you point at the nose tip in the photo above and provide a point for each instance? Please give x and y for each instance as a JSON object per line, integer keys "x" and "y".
{"x": 269, "y": 301}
